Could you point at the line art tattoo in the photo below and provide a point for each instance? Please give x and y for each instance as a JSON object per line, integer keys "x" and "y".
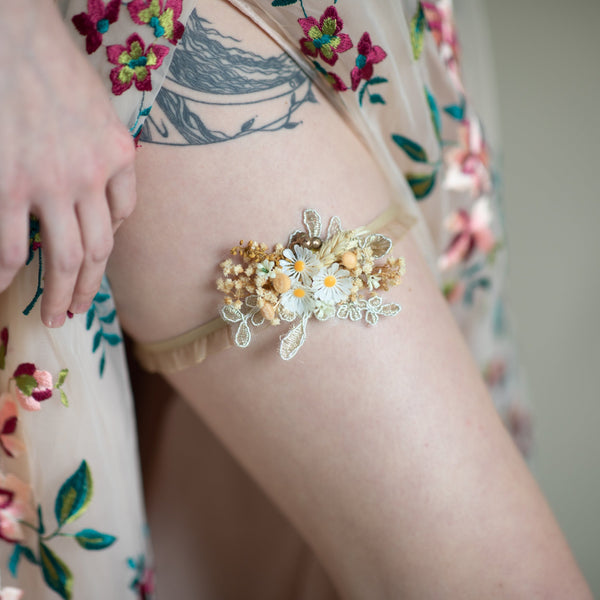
{"x": 213, "y": 80}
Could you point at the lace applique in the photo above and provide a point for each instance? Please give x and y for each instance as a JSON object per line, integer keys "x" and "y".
{"x": 314, "y": 276}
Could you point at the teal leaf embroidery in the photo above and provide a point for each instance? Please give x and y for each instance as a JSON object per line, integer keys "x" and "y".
{"x": 415, "y": 151}
{"x": 376, "y": 99}
{"x": 456, "y": 111}
{"x": 435, "y": 114}
{"x": 106, "y": 314}
{"x": 19, "y": 551}
{"x": 74, "y": 495}
{"x": 90, "y": 539}
{"x": 283, "y": 2}
{"x": 421, "y": 185}
{"x": 56, "y": 573}
{"x": 417, "y": 31}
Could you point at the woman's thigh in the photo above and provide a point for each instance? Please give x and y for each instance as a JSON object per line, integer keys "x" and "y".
{"x": 380, "y": 444}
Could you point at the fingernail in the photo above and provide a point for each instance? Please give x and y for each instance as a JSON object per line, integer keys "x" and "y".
{"x": 56, "y": 321}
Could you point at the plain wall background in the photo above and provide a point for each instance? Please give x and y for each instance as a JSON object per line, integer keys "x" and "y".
{"x": 547, "y": 59}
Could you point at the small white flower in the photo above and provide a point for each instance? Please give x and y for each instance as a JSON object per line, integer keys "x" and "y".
{"x": 324, "y": 311}
{"x": 266, "y": 268}
{"x": 373, "y": 281}
{"x": 332, "y": 284}
{"x": 301, "y": 264}
{"x": 298, "y": 299}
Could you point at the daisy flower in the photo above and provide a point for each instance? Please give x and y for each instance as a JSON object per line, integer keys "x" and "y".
{"x": 300, "y": 265}
{"x": 298, "y": 299}
{"x": 332, "y": 284}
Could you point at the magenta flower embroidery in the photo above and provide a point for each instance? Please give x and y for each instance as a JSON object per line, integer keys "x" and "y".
{"x": 334, "y": 80}
{"x": 323, "y": 37}
{"x": 471, "y": 230}
{"x": 33, "y": 386}
{"x": 134, "y": 62}
{"x": 15, "y": 506}
{"x": 161, "y": 15}
{"x": 468, "y": 163}
{"x": 96, "y": 22}
{"x": 368, "y": 55}
{"x": 11, "y": 445}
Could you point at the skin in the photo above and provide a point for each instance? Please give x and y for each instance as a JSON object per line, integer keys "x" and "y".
{"x": 69, "y": 160}
{"x": 381, "y": 445}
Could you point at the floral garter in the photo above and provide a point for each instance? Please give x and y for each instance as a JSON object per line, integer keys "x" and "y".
{"x": 338, "y": 275}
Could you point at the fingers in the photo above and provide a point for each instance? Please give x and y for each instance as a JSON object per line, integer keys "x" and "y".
{"x": 63, "y": 255}
{"x": 96, "y": 234}
{"x": 121, "y": 195}
{"x": 14, "y": 236}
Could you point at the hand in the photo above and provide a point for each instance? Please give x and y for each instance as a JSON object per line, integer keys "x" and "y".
{"x": 64, "y": 157}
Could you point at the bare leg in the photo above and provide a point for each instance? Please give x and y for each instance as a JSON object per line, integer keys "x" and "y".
{"x": 381, "y": 445}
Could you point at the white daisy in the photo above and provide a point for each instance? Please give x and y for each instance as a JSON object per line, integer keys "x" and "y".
{"x": 298, "y": 299}
{"x": 332, "y": 284}
{"x": 301, "y": 264}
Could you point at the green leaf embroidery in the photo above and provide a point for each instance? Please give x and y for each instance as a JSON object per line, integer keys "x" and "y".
{"x": 414, "y": 150}
{"x": 283, "y": 2}
{"x": 97, "y": 340}
{"x": 455, "y": 111}
{"x": 74, "y": 495}
{"x": 90, "y": 539}
{"x": 376, "y": 99}
{"x": 19, "y": 551}
{"x": 56, "y": 574}
{"x": 112, "y": 338}
{"x": 102, "y": 363}
{"x": 89, "y": 318}
{"x": 417, "y": 31}
{"x": 435, "y": 113}
{"x": 2, "y": 356}
{"x": 421, "y": 184}
{"x": 109, "y": 318}
{"x": 64, "y": 399}
{"x": 26, "y": 383}
{"x": 376, "y": 80}
{"x": 61, "y": 378}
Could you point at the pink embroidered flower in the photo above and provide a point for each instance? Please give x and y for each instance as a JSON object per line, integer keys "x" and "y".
{"x": 33, "y": 386}
{"x": 368, "y": 55}
{"x": 454, "y": 291}
{"x": 470, "y": 231}
{"x": 96, "y": 22}
{"x": 146, "y": 585}
{"x": 3, "y": 346}
{"x": 468, "y": 164}
{"x": 161, "y": 15}
{"x": 519, "y": 424}
{"x": 495, "y": 372}
{"x": 11, "y": 593}
{"x": 134, "y": 62}
{"x": 440, "y": 21}
{"x": 15, "y": 505}
{"x": 334, "y": 80}
{"x": 323, "y": 37}
{"x": 8, "y": 425}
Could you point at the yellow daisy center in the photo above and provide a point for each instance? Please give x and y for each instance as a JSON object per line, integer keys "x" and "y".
{"x": 299, "y": 293}
{"x": 299, "y": 266}
{"x": 329, "y": 281}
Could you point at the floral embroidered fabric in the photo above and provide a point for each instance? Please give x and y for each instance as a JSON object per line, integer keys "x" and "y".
{"x": 72, "y": 522}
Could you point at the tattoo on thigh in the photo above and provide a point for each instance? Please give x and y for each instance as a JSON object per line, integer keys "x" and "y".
{"x": 217, "y": 91}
